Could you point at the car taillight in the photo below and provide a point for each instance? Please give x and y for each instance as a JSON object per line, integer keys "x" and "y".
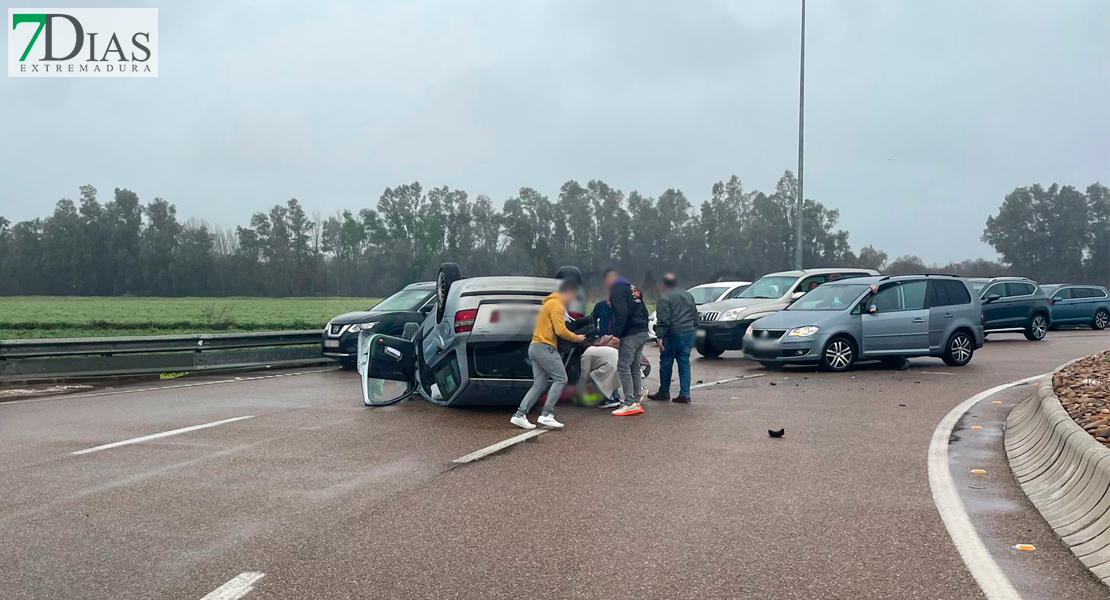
{"x": 464, "y": 320}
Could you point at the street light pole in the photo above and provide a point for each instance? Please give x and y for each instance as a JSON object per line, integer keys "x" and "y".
{"x": 801, "y": 143}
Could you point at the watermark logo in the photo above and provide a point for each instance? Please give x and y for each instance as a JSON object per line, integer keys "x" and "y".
{"x": 83, "y": 42}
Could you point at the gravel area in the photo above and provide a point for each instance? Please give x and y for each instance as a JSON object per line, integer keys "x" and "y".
{"x": 1084, "y": 390}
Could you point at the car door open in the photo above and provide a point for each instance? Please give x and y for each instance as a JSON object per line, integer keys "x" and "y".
{"x": 383, "y": 359}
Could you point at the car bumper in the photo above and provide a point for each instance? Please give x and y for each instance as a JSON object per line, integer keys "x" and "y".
{"x": 785, "y": 350}
{"x": 723, "y": 335}
{"x": 342, "y": 347}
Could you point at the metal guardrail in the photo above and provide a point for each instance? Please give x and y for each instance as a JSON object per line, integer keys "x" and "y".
{"x": 30, "y": 360}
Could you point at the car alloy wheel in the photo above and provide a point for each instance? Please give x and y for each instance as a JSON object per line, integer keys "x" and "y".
{"x": 1038, "y": 328}
{"x": 1102, "y": 319}
{"x": 838, "y": 354}
{"x": 960, "y": 350}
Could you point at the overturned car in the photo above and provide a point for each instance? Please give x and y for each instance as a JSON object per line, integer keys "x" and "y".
{"x": 472, "y": 350}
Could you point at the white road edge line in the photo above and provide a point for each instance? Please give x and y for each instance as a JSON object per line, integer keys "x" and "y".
{"x": 499, "y": 446}
{"x": 147, "y": 438}
{"x": 239, "y": 586}
{"x": 979, "y": 562}
{"x": 729, "y": 380}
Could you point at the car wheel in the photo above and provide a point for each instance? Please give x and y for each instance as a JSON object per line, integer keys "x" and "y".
{"x": 449, "y": 273}
{"x": 838, "y": 355}
{"x": 645, "y": 370}
{"x": 708, "y": 350}
{"x": 1101, "y": 320}
{"x": 1037, "y": 328}
{"x": 959, "y": 350}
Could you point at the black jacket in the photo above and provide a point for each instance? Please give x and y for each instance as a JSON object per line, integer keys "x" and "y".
{"x": 676, "y": 312}
{"x": 630, "y": 315}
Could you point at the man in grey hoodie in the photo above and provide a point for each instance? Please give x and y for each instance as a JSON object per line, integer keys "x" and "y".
{"x": 676, "y": 318}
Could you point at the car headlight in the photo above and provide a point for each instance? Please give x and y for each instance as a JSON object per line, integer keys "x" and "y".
{"x": 362, "y": 327}
{"x": 806, "y": 331}
{"x": 731, "y": 314}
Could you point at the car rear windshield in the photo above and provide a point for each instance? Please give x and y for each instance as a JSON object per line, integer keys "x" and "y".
{"x": 703, "y": 295}
{"x": 978, "y": 286}
{"x": 830, "y": 297}
{"x": 404, "y": 300}
{"x": 769, "y": 287}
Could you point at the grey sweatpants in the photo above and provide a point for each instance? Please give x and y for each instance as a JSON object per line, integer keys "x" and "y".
{"x": 628, "y": 365}
{"x": 546, "y": 363}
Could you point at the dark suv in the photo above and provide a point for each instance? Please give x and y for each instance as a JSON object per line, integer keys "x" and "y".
{"x": 1014, "y": 304}
{"x": 410, "y": 305}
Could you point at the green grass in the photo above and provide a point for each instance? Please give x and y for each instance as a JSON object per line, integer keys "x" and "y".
{"x": 82, "y": 316}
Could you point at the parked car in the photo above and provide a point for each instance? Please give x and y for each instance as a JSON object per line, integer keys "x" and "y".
{"x": 705, "y": 293}
{"x": 1074, "y": 304}
{"x": 1013, "y": 304}
{"x": 867, "y": 318}
{"x": 410, "y": 305}
{"x": 472, "y": 350}
{"x": 721, "y": 325}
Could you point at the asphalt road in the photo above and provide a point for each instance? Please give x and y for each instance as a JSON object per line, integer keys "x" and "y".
{"x": 329, "y": 499}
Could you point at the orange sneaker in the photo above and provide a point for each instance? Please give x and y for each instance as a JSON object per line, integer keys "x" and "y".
{"x": 628, "y": 410}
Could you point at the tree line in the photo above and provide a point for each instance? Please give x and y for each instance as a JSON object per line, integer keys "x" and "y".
{"x": 121, "y": 246}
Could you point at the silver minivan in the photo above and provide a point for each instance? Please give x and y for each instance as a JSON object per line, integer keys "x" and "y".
{"x": 872, "y": 318}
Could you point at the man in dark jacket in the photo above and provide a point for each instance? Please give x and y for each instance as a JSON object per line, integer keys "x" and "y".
{"x": 676, "y": 318}
{"x": 630, "y": 325}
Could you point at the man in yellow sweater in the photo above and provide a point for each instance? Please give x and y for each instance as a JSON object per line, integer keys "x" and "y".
{"x": 551, "y": 324}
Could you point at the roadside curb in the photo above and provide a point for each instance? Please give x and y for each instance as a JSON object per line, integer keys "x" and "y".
{"x": 1065, "y": 473}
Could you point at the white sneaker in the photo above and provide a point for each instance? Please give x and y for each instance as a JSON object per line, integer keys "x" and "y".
{"x": 523, "y": 422}
{"x": 549, "y": 421}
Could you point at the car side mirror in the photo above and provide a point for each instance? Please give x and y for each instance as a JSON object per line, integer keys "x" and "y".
{"x": 993, "y": 297}
{"x": 797, "y": 295}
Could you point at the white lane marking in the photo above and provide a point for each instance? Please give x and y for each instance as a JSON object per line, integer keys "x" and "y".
{"x": 156, "y": 388}
{"x": 239, "y": 586}
{"x": 729, "y": 380}
{"x": 147, "y": 438}
{"x": 499, "y": 446}
{"x": 936, "y": 372}
{"x": 979, "y": 562}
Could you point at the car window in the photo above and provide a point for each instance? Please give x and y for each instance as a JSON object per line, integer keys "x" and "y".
{"x": 830, "y": 297}
{"x": 957, "y": 292}
{"x": 1019, "y": 289}
{"x": 978, "y": 287}
{"x": 913, "y": 294}
{"x": 888, "y": 299}
{"x": 404, "y": 300}
{"x": 998, "y": 288}
{"x": 768, "y": 287}
{"x": 1063, "y": 294}
{"x": 736, "y": 292}
{"x": 703, "y": 294}
{"x": 1098, "y": 292}
{"x": 808, "y": 283}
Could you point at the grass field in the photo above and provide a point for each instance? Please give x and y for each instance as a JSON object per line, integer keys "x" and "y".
{"x": 81, "y": 316}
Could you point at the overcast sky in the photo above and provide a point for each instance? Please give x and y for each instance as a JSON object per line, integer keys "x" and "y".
{"x": 920, "y": 114}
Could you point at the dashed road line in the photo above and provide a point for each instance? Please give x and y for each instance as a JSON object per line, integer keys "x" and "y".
{"x": 239, "y": 586}
{"x": 978, "y": 559}
{"x": 499, "y": 446}
{"x": 155, "y": 436}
